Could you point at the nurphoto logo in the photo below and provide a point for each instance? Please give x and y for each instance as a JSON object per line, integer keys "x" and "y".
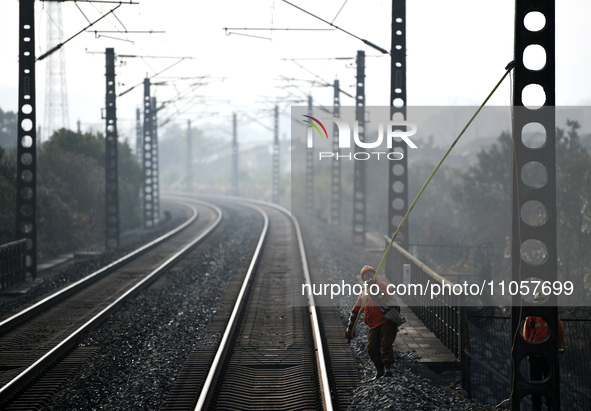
{"x": 315, "y": 126}
{"x": 389, "y": 130}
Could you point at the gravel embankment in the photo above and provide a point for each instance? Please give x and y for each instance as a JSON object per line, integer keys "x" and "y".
{"x": 68, "y": 272}
{"x": 142, "y": 347}
{"x": 409, "y": 389}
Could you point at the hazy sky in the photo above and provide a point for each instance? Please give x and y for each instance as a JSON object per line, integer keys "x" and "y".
{"x": 456, "y": 52}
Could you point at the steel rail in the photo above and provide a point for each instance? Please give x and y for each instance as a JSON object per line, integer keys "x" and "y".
{"x": 83, "y": 282}
{"x": 317, "y": 336}
{"x": 318, "y": 345}
{"x": 320, "y": 356}
{"x": 16, "y": 384}
{"x": 230, "y": 330}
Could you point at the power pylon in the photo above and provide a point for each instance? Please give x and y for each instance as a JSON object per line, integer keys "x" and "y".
{"x": 56, "y": 92}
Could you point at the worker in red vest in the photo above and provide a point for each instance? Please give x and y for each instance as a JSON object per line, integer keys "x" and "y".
{"x": 382, "y": 331}
{"x": 535, "y": 329}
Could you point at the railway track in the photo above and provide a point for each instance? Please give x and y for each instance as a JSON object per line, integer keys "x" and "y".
{"x": 266, "y": 359}
{"x": 35, "y": 339}
{"x": 275, "y": 349}
{"x": 274, "y": 353}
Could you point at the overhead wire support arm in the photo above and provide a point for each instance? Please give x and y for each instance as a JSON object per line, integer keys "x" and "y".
{"x": 366, "y": 42}
{"x": 235, "y": 29}
{"x": 153, "y": 57}
{"x": 274, "y": 29}
{"x": 321, "y": 58}
{"x": 92, "y": 1}
{"x": 98, "y": 36}
{"x": 327, "y": 58}
{"x": 154, "y": 75}
{"x": 127, "y": 31}
{"x": 101, "y": 33}
{"x": 179, "y": 96}
{"x": 60, "y": 45}
{"x": 320, "y": 78}
{"x": 339, "y": 12}
{"x": 260, "y": 123}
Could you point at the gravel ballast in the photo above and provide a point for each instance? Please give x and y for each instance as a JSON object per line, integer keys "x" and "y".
{"x": 54, "y": 278}
{"x": 409, "y": 389}
{"x": 142, "y": 347}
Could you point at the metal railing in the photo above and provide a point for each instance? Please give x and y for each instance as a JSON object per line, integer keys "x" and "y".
{"x": 441, "y": 314}
{"x": 480, "y": 337}
{"x": 487, "y": 373}
{"x": 456, "y": 262}
{"x": 13, "y": 267}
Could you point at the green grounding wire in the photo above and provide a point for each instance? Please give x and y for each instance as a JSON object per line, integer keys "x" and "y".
{"x": 508, "y": 69}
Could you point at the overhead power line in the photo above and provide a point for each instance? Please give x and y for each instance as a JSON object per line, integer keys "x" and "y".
{"x": 339, "y": 12}
{"x": 92, "y": 1}
{"x": 324, "y": 82}
{"x": 275, "y": 29}
{"x": 366, "y": 42}
{"x": 249, "y": 35}
{"x": 151, "y": 77}
{"x": 127, "y": 31}
{"x": 59, "y": 46}
{"x": 128, "y": 56}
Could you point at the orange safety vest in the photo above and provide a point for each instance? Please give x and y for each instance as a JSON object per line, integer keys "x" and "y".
{"x": 535, "y": 329}
{"x": 373, "y": 316}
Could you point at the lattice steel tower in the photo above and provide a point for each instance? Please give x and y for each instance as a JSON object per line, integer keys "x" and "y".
{"x": 539, "y": 191}
{"x": 335, "y": 175}
{"x": 56, "y": 92}
{"x": 26, "y": 168}
{"x": 234, "y": 156}
{"x": 111, "y": 167}
{"x": 147, "y": 160}
{"x": 398, "y": 173}
{"x": 189, "y": 158}
{"x": 276, "y": 168}
{"x": 359, "y": 172}
{"x": 310, "y": 208}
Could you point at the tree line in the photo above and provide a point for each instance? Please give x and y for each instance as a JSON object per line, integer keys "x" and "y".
{"x": 476, "y": 202}
{"x": 467, "y": 205}
{"x": 70, "y": 189}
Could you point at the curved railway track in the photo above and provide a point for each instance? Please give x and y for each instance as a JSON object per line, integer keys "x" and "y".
{"x": 275, "y": 349}
{"x": 36, "y": 338}
{"x": 270, "y": 356}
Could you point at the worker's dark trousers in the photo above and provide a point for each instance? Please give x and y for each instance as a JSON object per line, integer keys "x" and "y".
{"x": 379, "y": 343}
{"x": 538, "y": 370}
